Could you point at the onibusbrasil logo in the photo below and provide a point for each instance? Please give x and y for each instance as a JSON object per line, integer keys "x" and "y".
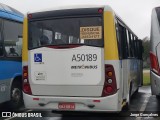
{"x": 13, "y": 114}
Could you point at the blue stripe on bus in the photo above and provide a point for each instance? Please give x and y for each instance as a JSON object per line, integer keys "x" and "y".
{"x": 15, "y": 17}
{"x": 7, "y": 15}
{"x": 10, "y": 69}
{"x": 10, "y": 13}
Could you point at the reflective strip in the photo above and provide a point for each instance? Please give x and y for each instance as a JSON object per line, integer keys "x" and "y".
{"x": 25, "y": 41}
{"x": 110, "y": 39}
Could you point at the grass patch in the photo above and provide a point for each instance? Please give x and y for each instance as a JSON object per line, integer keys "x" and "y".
{"x": 146, "y": 78}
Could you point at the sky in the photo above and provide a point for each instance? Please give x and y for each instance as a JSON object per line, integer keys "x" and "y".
{"x": 135, "y": 13}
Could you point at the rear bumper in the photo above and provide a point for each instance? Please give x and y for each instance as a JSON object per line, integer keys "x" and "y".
{"x": 107, "y": 104}
{"x": 155, "y": 83}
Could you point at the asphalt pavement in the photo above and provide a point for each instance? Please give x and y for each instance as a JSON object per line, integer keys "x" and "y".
{"x": 142, "y": 104}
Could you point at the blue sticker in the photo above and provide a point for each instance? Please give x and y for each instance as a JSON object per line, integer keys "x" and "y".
{"x": 38, "y": 57}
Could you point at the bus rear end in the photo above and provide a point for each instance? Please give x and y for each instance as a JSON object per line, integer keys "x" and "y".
{"x": 155, "y": 52}
{"x": 66, "y": 67}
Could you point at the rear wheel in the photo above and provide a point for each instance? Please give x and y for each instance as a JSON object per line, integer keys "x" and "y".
{"x": 137, "y": 90}
{"x": 16, "y": 96}
{"x": 127, "y": 106}
{"x": 158, "y": 96}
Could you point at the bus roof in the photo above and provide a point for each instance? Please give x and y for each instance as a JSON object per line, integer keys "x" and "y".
{"x": 69, "y": 7}
{"x": 10, "y": 13}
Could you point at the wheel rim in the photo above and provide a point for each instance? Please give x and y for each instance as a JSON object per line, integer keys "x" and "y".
{"x": 16, "y": 95}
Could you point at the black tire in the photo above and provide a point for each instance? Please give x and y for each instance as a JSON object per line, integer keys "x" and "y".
{"x": 158, "y": 97}
{"x": 16, "y": 99}
{"x": 137, "y": 90}
{"x": 127, "y": 106}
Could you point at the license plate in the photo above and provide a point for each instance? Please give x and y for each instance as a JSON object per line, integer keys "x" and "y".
{"x": 66, "y": 106}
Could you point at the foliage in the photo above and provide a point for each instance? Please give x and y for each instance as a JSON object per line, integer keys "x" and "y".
{"x": 146, "y": 46}
{"x": 146, "y": 78}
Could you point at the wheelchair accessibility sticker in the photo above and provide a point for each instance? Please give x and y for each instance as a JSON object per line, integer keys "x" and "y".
{"x": 38, "y": 57}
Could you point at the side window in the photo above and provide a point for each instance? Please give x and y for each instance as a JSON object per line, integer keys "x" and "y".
{"x": 138, "y": 48}
{"x": 1, "y": 40}
{"x": 128, "y": 43}
{"x": 12, "y": 39}
{"x": 131, "y": 45}
{"x": 118, "y": 41}
{"x": 122, "y": 39}
{"x": 135, "y": 47}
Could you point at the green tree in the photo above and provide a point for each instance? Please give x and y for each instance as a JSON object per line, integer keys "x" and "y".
{"x": 146, "y": 46}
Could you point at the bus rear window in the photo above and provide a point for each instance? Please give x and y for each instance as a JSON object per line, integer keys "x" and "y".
{"x": 85, "y": 31}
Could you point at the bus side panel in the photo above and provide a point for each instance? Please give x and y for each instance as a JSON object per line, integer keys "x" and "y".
{"x": 110, "y": 39}
{"x": 8, "y": 70}
{"x": 130, "y": 76}
{"x": 4, "y": 90}
{"x": 132, "y": 72}
{"x": 125, "y": 70}
{"x": 117, "y": 69}
{"x": 140, "y": 73}
{"x": 155, "y": 35}
{"x": 155, "y": 32}
{"x": 111, "y": 51}
{"x": 155, "y": 83}
{"x": 134, "y": 80}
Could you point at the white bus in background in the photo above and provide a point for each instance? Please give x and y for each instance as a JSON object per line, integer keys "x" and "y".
{"x": 79, "y": 59}
{"x": 155, "y": 52}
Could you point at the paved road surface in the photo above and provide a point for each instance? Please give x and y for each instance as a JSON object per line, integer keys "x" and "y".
{"x": 142, "y": 102}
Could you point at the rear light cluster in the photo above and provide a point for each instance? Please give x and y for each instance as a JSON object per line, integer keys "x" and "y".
{"x": 154, "y": 63}
{"x": 29, "y": 16}
{"x": 100, "y": 10}
{"x": 110, "y": 85}
{"x": 26, "y": 85}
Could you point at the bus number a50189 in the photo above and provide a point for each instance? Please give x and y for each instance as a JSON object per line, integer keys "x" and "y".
{"x": 84, "y": 57}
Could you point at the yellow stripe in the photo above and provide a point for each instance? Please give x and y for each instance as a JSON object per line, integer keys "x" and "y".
{"x": 110, "y": 40}
{"x": 25, "y": 41}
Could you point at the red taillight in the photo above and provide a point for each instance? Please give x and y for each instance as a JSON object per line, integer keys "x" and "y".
{"x": 110, "y": 85}
{"x": 100, "y": 10}
{"x": 29, "y": 16}
{"x": 154, "y": 63}
{"x": 26, "y": 85}
{"x": 108, "y": 89}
